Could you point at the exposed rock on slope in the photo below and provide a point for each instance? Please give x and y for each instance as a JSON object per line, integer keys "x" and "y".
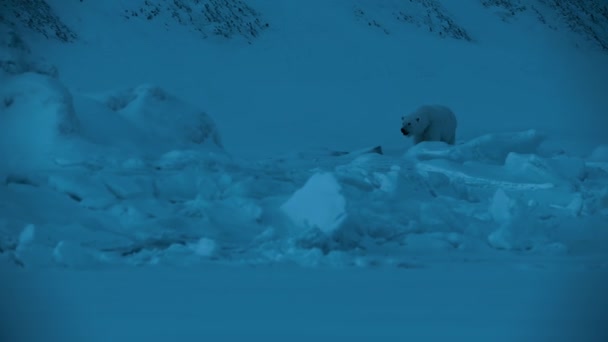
{"x": 36, "y": 15}
{"x": 224, "y": 18}
{"x": 16, "y": 57}
{"x": 428, "y": 15}
{"x": 586, "y": 18}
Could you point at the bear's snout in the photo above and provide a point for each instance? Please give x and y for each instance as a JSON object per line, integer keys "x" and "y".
{"x": 404, "y": 131}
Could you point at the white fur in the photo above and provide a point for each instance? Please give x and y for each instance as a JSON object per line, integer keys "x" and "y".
{"x": 430, "y": 123}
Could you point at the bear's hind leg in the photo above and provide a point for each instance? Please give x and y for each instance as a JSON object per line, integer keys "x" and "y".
{"x": 452, "y": 139}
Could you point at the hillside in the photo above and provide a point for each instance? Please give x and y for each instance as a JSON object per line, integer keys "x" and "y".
{"x": 250, "y": 64}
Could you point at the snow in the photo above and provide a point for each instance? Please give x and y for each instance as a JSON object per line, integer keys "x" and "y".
{"x": 232, "y": 304}
{"x": 258, "y": 186}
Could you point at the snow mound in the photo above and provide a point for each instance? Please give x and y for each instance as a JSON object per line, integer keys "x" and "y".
{"x": 36, "y": 113}
{"x": 163, "y": 116}
{"x": 318, "y": 204}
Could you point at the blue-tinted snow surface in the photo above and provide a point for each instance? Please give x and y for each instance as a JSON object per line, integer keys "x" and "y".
{"x": 155, "y": 185}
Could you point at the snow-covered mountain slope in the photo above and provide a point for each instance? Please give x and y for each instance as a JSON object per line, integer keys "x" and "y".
{"x": 37, "y": 16}
{"x": 343, "y": 75}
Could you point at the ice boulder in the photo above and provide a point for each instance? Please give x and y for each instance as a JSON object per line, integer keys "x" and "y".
{"x": 501, "y": 207}
{"x": 318, "y": 204}
{"x": 518, "y": 227}
{"x": 31, "y": 248}
{"x": 172, "y": 122}
{"x": 26, "y": 237}
{"x": 496, "y": 147}
{"x": 74, "y": 255}
{"x": 36, "y": 112}
{"x": 599, "y": 154}
{"x": 204, "y": 247}
{"x": 556, "y": 170}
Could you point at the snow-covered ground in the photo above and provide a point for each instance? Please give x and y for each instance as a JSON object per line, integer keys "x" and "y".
{"x": 256, "y": 177}
{"x": 464, "y": 302}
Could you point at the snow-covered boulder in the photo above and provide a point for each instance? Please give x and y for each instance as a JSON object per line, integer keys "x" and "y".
{"x": 36, "y": 112}
{"x": 164, "y": 118}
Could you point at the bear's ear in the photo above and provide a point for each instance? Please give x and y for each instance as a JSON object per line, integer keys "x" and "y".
{"x": 417, "y": 119}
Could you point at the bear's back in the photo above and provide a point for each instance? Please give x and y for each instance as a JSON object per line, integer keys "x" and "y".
{"x": 440, "y": 113}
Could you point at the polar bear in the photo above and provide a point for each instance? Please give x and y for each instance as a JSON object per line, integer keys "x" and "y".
{"x": 430, "y": 123}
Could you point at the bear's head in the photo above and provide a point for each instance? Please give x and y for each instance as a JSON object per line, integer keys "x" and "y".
{"x": 414, "y": 124}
